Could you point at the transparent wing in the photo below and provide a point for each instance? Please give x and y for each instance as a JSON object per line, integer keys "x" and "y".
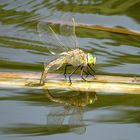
{"x": 47, "y": 32}
{"x": 57, "y": 115}
{"x": 67, "y": 30}
{"x": 58, "y": 35}
{"x": 57, "y": 63}
{"x": 76, "y": 119}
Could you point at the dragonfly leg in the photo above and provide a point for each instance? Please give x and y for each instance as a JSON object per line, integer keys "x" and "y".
{"x": 82, "y": 70}
{"x": 89, "y": 71}
{"x": 87, "y": 74}
{"x": 72, "y": 74}
{"x": 65, "y": 72}
{"x": 91, "y": 68}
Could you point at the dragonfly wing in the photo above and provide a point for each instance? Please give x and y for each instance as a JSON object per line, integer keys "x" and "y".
{"x": 56, "y": 63}
{"x": 47, "y": 32}
{"x": 57, "y": 115}
{"x": 76, "y": 119}
{"x": 67, "y": 30}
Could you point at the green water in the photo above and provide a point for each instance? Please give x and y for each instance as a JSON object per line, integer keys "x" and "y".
{"x": 24, "y": 112}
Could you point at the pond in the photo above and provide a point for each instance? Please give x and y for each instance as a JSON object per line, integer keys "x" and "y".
{"x": 61, "y": 114}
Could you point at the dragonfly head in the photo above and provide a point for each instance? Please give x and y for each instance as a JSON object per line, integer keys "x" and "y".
{"x": 91, "y": 59}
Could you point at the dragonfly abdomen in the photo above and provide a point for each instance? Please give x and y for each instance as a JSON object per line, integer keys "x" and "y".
{"x": 53, "y": 65}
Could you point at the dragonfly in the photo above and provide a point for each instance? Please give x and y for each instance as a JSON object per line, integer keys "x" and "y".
{"x": 64, "y": 46}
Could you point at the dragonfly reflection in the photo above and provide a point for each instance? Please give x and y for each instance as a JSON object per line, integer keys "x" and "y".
{"x": 71, "y": 106}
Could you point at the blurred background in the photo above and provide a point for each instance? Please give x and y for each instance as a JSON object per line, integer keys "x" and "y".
{"x": 23, "y": 111}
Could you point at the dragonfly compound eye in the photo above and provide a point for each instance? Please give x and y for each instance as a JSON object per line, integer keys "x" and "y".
{"x": 91, "y": 58}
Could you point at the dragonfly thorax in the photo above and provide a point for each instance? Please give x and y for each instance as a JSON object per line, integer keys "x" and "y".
{"x": 76, "y": 57}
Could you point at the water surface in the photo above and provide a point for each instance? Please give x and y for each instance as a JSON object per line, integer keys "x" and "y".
{"x": 23, "y": 112}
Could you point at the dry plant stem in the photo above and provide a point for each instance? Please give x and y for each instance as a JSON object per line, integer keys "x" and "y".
{"x": 103, "y": 28}
{"x": 102, "y": 83}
